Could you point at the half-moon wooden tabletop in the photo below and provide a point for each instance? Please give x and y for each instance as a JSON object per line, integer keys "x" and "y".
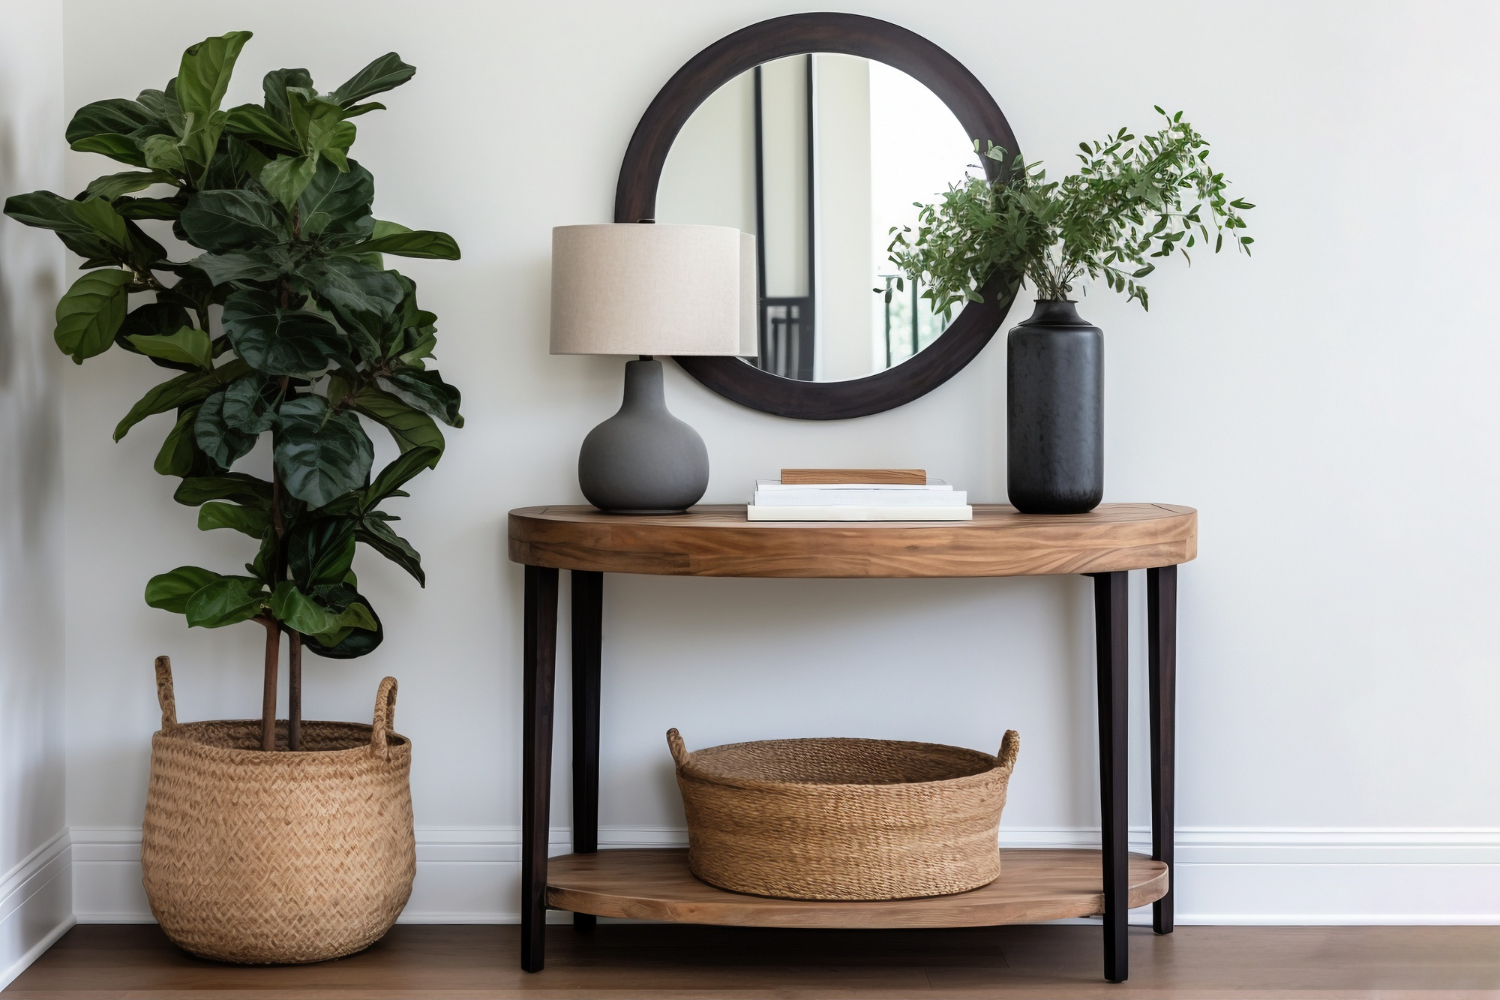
{"x": 718, "y": 540}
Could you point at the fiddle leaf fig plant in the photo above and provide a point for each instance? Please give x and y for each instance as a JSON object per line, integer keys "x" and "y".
{"x": 1133, "y": 201}
{"x": 313, "y": 333}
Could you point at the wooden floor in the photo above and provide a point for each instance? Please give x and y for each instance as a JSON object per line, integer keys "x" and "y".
{"x": 678, "y": 961}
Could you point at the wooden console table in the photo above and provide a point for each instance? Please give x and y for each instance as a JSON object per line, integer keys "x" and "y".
{"x": 719, "y": 541}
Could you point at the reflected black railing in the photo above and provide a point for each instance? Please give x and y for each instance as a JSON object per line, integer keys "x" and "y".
{"x": 910, "y": 325}
{"x": 786, "y": 337}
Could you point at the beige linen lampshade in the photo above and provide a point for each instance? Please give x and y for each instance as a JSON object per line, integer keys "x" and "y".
{"x": 633, "y": 288}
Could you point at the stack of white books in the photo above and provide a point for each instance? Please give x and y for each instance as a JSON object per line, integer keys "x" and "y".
{"x": 792, "y": 498}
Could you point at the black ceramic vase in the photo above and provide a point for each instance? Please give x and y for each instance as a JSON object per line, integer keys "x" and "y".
{"x": 1055, "y": 418}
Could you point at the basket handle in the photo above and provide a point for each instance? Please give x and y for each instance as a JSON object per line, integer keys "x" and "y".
{"x": 1010, "y": 745}
{"x": 385, "y": 715}
{"x": 164, "y": 696}
{"x": 674, "y": 743}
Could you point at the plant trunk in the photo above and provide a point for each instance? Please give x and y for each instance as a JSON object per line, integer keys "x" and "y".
{"x": 268, "y": 700}
{"x": 294, "y": 690}
{"x": 273, "y": 627}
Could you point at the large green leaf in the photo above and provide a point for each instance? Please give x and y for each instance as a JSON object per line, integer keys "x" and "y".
{"x": 397, "y": 474}
{"x": 145, "y": 254}
{"x": 356, "y": 641}
{"x": 202, "y": 79}
{"x": 152, "y": 319}
{"x": 375, "y": 533}
{"x": 385, "y": 73}
{"x": 187, "y": 388}
{"x": 320, "y": 128}
{"x": 90, "y": 312}
{"x": 320, "y": 453}
{"x": 363, "y": 299}
{"x": 355, "y": 110}
{"x": 232, "y": 219}
{"x": 220, "y": 442}
{"x": 260, "y": 264}
{"x": 170, "y": 591}
{"x": 248, "y": 520}
{"x": 187, "y": 345}
{"x": 114, "y": 116}
{"x": 251, "y": 121}
{"x": 150, "y": 208}
{"x": 162, "y": 152}
{"x": 420, "y": 342}
{"x": 298, "y": 611}
{"x": 116, "y": 147}
{"x": 321, "y": 551}
{"x": 204, "y": 74}
{"x": 399, "y": 326}
{"x": 176, "y": 455}
{"x": 286, "y": 177}
{"x": 249, "y": 404}
{"x": 90, "y": 228}
{"x": 180, "y": 391}
{"x": 410, "y": 427}
{"x": 192, "y": 291}
{"x": 99, "y": 215}
{"x": 161, "y": 103}
{"x": 225, "y": 601}
{"x": 111, "y": 186}
{"x": 420, "y": 243}
{"x": 117, "y": 128}
{"x": 280, "y": 341}
{"x": 337, "y": 203}
{"x": 267, "y": 564}
{"x": 427, "y": 391}
{"x": 275, "y": 86}
{"x": 235, "y": 165}
{"x": 236, "y": 486}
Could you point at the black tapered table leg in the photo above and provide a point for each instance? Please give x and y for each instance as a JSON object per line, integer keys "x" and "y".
{"x": 1111, "y": 609}
{"x": 1161, "y": 616}
{"x": 540, "y": 655}
{"x": 588, "y": 623}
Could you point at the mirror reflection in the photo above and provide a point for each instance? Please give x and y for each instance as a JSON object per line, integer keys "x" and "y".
{"x": 820, "y": 156}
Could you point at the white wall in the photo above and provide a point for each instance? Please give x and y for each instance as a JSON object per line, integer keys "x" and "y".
{"x": 709, "y": 176}
{"x": 784, "y": 158}
{"x": 841, "y": 91}
{"x": 35, "y": 890}
{"x": 1329, "y": 406}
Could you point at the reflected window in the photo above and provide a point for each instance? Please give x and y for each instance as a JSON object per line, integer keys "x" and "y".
{"x": 820, "y": 156}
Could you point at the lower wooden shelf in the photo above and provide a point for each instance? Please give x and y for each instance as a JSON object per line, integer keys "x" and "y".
{"x": 655, "y": 884}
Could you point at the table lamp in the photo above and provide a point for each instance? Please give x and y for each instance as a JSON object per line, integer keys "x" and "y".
{"x": 645, "y": 289}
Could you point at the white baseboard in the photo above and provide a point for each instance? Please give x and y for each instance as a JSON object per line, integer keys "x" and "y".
{"x": 1224, "y": 876}
{"x": 36, "y": 906}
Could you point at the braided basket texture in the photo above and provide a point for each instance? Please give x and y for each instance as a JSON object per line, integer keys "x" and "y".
{"x": 843, "y": 818}
{"x": 259, "y": 857}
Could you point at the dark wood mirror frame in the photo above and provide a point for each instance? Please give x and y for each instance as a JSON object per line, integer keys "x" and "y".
{"x": 846, "y": 34}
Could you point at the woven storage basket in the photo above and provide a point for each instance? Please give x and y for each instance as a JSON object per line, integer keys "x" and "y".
{"x": 257, "y": 857}
{"x": 843, "y": 818}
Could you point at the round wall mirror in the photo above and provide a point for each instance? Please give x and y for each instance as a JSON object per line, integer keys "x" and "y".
{"x": 817, "y": 133}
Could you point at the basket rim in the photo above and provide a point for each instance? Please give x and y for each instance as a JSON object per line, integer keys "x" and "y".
{"x": 687, "y": 770}
{"x": 396, "y": 743}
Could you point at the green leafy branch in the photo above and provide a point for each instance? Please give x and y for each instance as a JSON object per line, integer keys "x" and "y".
{"x": 1133, "y": 201}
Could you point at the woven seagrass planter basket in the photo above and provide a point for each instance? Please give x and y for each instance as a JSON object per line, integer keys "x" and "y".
{"x": 257, "y": 857}
{"x": 843, "y": 818}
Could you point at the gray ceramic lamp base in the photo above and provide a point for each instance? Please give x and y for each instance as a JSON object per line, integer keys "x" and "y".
{"x": 643, "y": 460}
